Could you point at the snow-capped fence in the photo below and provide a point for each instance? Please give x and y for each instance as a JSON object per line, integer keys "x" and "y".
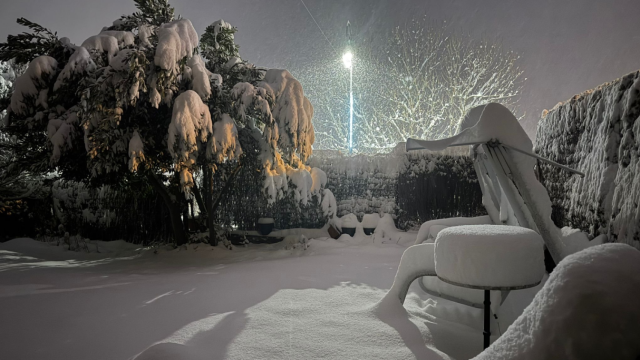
{"x": 596, "y": 132}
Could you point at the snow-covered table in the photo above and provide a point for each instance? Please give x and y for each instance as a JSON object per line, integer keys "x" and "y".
{"x": 489, "y": 257}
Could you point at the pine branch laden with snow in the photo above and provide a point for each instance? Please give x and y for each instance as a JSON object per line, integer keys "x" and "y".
{"x": 596, "y": 132}
{"x": 224, "y": 144}
{"x": 419, "y": 83}
{"x": 189, "y": 129}
{"x": 102, "y": 43}
{"x": 278, "y": 102}
{"x": 33, "y": 84}
{"x": 79, "y": 63}
{"x": 292, "y": 111}
{"x": 201, "y": 78}
{"x": 176, "y": 40}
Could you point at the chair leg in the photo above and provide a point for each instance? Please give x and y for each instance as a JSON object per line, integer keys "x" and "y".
{"x": 487, "y": 318}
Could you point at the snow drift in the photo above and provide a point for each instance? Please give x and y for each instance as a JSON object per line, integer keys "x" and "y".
{"x": 584, "y": 311}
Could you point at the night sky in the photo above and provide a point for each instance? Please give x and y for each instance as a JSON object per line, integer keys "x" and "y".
{"x": 566, "y": 46}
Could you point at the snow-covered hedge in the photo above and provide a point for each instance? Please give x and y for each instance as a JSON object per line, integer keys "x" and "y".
{"x": 596, "y": 132}
{"x": 414, "y": 187}
{"x": 106, "y": 213}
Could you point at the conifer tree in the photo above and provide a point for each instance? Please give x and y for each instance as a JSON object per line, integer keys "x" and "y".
{"x": 138, "y": 100}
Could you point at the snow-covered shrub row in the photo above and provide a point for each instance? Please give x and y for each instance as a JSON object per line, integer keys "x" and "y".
{"x": 596, "y": 132}
{"x": 414, "y": 187}
{"x": 108, "y": 214}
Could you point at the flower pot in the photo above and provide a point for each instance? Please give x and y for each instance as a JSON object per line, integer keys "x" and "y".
{"x": 369, "y": 223}
{"x": 349, "y": 230}
{"x": 265, "y": 226}
{"x": 333, "y": 232}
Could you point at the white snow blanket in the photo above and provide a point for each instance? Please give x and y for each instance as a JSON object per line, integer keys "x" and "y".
{"x": 490, "y": 255}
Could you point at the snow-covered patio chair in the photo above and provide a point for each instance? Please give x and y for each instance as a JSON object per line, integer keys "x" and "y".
{"x": 504, "y": 164}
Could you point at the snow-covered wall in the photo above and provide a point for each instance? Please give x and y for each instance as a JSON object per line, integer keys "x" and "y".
{"x": 596, "y": 132}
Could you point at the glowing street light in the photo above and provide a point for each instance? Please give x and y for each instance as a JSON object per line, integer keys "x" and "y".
{"x": 346, "y": 59}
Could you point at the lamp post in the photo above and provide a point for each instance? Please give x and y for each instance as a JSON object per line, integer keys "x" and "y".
{"x": 347, "y": 58}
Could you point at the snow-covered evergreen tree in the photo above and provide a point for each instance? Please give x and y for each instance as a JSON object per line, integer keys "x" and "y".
{"x": 138, "y": 99}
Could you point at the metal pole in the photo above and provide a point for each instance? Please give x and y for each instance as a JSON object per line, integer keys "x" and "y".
{"x": 487, "y": 318}
{"x": 351, "y": 108}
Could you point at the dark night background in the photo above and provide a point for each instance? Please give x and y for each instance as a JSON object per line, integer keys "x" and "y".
{"x": 566, "y": 46}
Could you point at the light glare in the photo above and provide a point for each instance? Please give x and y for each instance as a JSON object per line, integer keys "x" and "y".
{"x": 346, "y": 59}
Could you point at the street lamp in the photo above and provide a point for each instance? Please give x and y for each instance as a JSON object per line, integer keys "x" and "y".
{"x": 347, "y": 59}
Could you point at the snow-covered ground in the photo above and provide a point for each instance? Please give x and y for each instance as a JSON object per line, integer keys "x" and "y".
{"x": 200, "y": 302}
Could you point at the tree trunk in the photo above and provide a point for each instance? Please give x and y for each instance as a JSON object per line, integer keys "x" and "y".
{"x": 199, "y": 201}
{"x": 213, "y": 240}
{"x": 179, "y": 234}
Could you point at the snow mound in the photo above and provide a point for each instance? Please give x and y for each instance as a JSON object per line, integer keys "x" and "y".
{"x": 586, "y": 310}
{"x": 349, "y": 221}
{"x": 370, "y": 220}
{"x": 489, "y": 255}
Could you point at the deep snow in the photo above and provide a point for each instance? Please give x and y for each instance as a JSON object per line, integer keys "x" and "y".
{"x": 259, "y": 301}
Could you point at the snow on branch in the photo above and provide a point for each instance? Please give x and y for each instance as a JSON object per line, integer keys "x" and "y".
{"x": 190, "y": 123}
{"x": 224, "y": 144}
{"x": 79, "y": 63}
{"x": 31, "y": 83}
{"x": 176, "y": 40}
{"x": 102, "y": 43}
{"x": 291, "y": 110}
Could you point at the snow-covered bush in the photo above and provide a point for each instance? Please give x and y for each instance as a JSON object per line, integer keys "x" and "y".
{"x": 595, "y": 132}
